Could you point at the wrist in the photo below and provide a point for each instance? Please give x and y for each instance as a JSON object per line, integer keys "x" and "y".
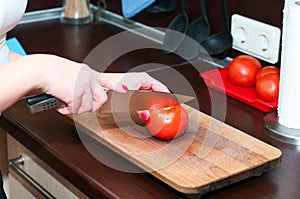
{"x": 34, "y": 77}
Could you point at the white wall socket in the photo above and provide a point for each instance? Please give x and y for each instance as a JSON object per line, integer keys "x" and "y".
{"x": 255, "y": 38}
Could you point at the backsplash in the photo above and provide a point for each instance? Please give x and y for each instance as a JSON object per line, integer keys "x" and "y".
{"x": 267, "y": 11}
{"x": 42, "y": 4}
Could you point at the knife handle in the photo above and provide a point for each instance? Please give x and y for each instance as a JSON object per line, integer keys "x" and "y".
{"x": 43, "y": 102}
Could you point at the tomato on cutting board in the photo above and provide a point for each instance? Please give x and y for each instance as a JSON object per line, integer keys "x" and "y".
{"x": 243, "y": 69}
{"x": 247, "y": 71}
{"x": 266, "y": 70}
{"x": 167, "y": 123}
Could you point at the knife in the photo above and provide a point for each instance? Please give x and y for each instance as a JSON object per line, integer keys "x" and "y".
{"x": 133, "y": 100}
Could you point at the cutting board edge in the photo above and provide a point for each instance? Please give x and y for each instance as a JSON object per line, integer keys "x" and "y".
{"x": 204, "y": 188}
{"x": 221, "y": 183}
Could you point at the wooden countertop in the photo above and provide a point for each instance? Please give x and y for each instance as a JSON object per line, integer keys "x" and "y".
{"x": 54, "y": 138}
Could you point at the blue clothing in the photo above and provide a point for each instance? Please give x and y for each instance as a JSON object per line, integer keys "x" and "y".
{"x": 133, "y": 7}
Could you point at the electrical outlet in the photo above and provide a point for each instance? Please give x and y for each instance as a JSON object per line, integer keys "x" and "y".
{"x": 255, "y": 38}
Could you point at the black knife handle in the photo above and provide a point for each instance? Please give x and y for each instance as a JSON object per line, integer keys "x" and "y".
{"x": 43, "y": 102}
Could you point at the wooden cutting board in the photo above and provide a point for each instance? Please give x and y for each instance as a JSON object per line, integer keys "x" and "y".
{"x": 210, "y": 154}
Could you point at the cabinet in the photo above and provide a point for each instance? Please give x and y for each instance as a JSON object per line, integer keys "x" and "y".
{"x": 26, "y": 165}
{"x": 3, "y": 157}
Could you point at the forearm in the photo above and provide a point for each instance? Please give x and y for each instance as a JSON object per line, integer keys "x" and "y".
{"x": 18, "y": 78}
{"x": 80, "y": 87}
{"x": 73, "y": 83}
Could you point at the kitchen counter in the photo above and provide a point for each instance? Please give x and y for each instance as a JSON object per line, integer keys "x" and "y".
{"x": 54, "y": 138}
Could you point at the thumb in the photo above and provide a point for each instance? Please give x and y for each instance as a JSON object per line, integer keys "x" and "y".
{"x": 64, "y": 111}
{"x": 160, "y": 87}
{"x": 144, "y": 115}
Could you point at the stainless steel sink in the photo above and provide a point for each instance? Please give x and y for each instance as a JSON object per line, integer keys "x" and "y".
{"x": 106, "y": 16}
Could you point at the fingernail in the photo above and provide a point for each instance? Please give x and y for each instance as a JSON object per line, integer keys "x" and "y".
{"x": 125, "y": 87}
{"x": 144, "y": 116}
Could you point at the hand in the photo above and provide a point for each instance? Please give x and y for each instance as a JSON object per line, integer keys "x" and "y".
{"x": 83, "y": 89}
{"x": 80, "y": 87}
{"x": 138, "y": 81}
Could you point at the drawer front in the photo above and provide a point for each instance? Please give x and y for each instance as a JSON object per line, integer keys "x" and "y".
{"x": 36, "y": 176}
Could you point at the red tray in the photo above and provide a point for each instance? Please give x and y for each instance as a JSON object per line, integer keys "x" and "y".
{"x": 218, "y": 80}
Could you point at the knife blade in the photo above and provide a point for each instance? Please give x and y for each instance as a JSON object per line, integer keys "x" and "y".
{"x": 133, "y": 100}
{"x": 136, "y": 100}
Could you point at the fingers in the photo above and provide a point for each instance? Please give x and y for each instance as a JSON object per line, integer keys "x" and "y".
{"x": 85, "y": 104}
{"x": 99, "y": 98}
{"x": 112, "y": 84}
{"x": 89, "y": 93}
{"x": 87, "y": 97}
{"x": 133, "y": 80}
{"x": 149, "y": 83}
{"x": 160, "y": 88}
{"x": 144, "y": 115}
{"x": 90, "y": 101}
{"x": 64, "y": 110}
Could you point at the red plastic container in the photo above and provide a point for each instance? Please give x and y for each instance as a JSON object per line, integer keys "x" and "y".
{"x": 218, "y": 80}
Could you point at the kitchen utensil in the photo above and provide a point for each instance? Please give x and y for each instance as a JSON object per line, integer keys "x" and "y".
{"x": 162, "y": 6}
{"x": 135, "y": 100}
{"x": 43, "y": 102}
{"x": 176, "y": 31}
{"x": 220, "y": 43}
{"x": 218, "y": 79}
{"x": 132, "y": 100}
{"x": 208, "y": 156}
{"x": 101, "y": 4}
{"x": 199, "y": 29}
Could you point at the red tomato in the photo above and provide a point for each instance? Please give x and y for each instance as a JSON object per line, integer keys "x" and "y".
{"x": 243, "y": 70}
{"x": 167, "y": 123}
{"x": 267, "y": 87}
{"x": 267, "y": 70}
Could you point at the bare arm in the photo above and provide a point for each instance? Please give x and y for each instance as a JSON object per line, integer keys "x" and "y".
{"x": 80, "y": 87}
{"x": 16, "y": 81}
{"x": 74, "y": 83}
